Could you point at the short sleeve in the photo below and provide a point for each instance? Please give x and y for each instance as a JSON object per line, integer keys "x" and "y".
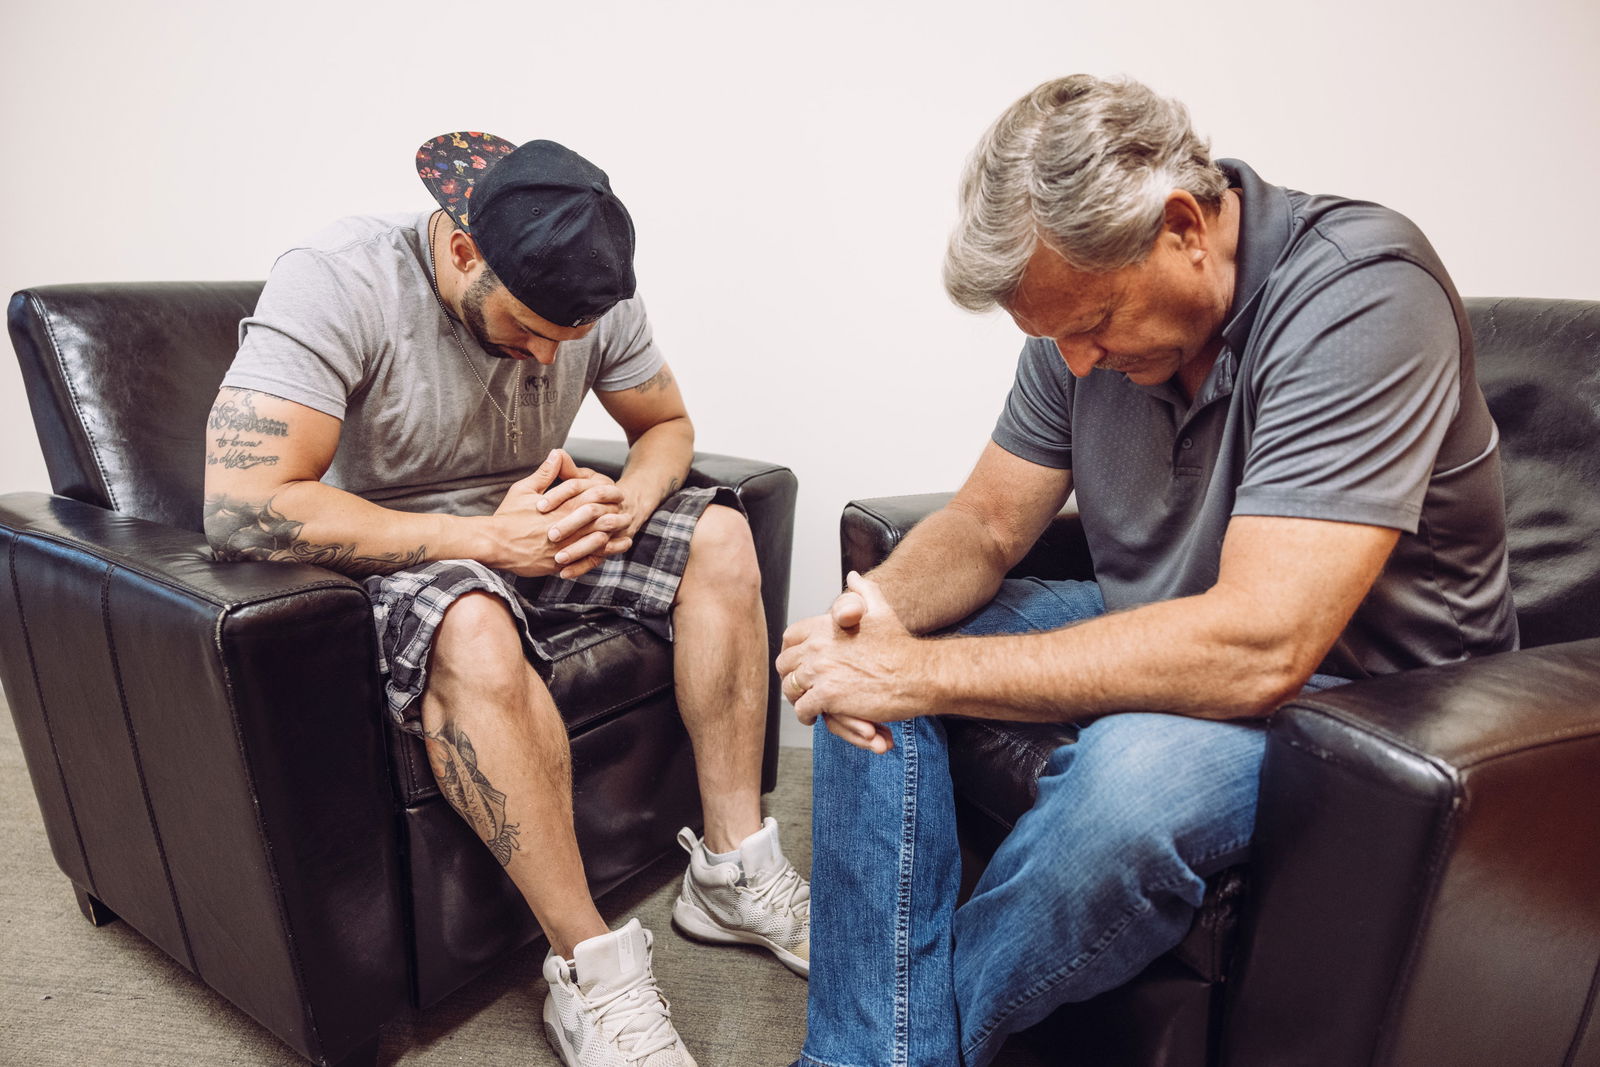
{"x": 308, "y": 340}
{"x": 628, "y": 352}
{"x": 1354, "y": 392}
{"x": 1036, "y": 423}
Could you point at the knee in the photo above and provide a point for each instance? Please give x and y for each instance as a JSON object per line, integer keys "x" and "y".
{"x": 722, "y": 555}
{"x": 477, "y": 643}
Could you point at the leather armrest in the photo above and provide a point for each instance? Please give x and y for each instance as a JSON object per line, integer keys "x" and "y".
{"x": 767, "y": 492}
{"x": 1426, "y": 867}
{"x": 206, "y": 741}
{"x": 870, "y": 529}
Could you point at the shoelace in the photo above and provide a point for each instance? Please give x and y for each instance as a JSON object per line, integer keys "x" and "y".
{"x": 782, "y": 892}
{"x": 639, "y": 1016}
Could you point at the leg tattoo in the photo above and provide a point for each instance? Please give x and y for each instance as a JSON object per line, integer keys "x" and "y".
{"x": 455, "y": 766}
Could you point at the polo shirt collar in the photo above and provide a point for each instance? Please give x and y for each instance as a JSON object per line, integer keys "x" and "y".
{"x": 1264, "y": 221}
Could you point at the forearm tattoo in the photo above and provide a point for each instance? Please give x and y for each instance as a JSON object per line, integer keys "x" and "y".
{"x": 239, "y": 530}
{"x": 455, "y": 768}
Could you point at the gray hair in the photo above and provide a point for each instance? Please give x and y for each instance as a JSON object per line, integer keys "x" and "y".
{"x": 1083, "y": 164}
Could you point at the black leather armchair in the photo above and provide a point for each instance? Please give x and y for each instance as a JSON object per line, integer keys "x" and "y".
{"x": 207, "y": 740}
{"x": 1425, "y": 886}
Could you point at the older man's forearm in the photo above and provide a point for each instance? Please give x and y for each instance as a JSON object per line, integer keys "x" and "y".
{"x": 1201, "y": 656}
{"x": 946, "y": 568}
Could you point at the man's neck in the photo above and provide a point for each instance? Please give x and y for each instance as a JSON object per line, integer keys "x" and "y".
{"x": 446, "y": 278}
{"x": 1224, "y": 254}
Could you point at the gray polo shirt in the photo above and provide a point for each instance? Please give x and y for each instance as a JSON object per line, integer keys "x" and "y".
{"x": 1344, "y": 391}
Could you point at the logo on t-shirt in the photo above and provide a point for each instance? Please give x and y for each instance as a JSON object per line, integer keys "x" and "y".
{"x": 536, "y": 391}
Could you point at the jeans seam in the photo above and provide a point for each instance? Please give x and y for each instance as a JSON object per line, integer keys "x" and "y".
{"x": 900, "y": 1054}
{"x": 1071, "y": 967}
{"x": 1206, "y": 857}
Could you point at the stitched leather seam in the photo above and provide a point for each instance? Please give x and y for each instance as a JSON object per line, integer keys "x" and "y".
{"x": 989, "y": 812}
{"x": 1342, "y": 763}
{"x": 1512, "y": 748}
{"x": 894, "y": 532}
{"x": 138, "y": 766}
{"x": 44, "y": 713}
{"x": 1361, "y": 726}
{"x": 72, "y": 394}
{"x": 297, "y": 969}
{"x": 1468, "y": 759}
{"x": 599, "y": 638}
{"x": 1444, "y": 838}
{"x": 1583, "y": 1020}
{"x": 163, "y": 578}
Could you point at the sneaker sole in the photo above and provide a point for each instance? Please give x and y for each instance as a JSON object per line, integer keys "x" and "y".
{"x": 691, "y": 920}
{"x": 556, "y": 1035}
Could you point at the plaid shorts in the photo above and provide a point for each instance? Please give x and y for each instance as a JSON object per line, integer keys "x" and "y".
{"x": 640, "y": 584}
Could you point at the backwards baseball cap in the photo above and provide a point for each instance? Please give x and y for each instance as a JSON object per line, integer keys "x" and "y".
{"x": 544, "y": 218}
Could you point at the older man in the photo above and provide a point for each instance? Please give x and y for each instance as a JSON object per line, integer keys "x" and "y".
{"x": 1288, "y": 477}
{"x": 374, "y": 421}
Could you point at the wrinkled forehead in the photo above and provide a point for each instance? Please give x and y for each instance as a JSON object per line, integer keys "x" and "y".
{"x": 1054, "y": 298}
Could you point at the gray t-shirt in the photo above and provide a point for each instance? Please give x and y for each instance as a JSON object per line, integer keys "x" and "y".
{"x": 1345, "y": 390}
{"x": 348, "y": 325}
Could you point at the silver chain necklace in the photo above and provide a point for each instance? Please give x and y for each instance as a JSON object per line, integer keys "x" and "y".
{"x": 513, "y": 434}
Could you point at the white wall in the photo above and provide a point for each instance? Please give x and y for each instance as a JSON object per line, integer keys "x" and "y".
{"x": 791, "y": 168}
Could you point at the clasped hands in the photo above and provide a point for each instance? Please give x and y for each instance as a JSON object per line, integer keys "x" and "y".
{"x": 563, "y": 519}
{"x": 853, "y": 667}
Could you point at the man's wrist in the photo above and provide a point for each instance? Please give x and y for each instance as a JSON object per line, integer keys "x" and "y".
{"x": 484, "y": 538}
{"x": 640, "y": 503}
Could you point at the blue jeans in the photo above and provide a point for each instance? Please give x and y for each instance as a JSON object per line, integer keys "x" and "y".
{"x": 1101, "y": 876}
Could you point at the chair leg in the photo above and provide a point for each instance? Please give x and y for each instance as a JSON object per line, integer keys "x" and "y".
{"x": 93, "y": 910}
{"x": 363, "y": 1055}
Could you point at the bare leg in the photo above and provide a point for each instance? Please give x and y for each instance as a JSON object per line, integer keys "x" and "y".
{"x": 499, "y": 753}
{"x": 720, "y": 666}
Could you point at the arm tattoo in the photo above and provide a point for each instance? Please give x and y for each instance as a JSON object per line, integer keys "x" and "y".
{"x": 238, "y": 414}
{"x": 455, "y": 768}
{"x": 239, "y": 433}
{"x": 662, "y": 379}
{"x": 239, "y": 530}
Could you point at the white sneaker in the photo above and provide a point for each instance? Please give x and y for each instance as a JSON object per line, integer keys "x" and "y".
{"x": 604, "y": 1009}
{"x": 759, "y": 900}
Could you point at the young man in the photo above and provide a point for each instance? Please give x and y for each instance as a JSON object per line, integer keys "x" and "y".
{"x": 1288, "y": 478}
{"x": 396, "y": 411}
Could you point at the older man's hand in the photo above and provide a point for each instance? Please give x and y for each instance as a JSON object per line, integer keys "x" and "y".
{"x": 850, "y": 667}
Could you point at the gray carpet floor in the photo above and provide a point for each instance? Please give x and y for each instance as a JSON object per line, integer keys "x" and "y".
{"x": 72, "y": 994}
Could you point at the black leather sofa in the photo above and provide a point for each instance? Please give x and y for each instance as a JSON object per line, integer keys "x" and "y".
{"x": 1425, "y": 885}
{"x": 207, "y": 740}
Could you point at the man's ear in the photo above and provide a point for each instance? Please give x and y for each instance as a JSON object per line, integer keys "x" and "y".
{"x": 464, "y": 254}
{"x": 1186, "y": 223}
